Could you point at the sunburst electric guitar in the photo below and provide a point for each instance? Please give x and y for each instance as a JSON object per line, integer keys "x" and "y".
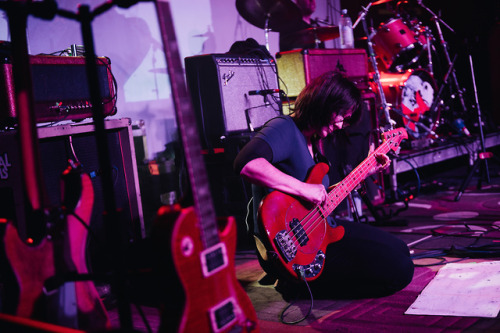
{"x": 201, "y": 254}
{"x": 297, "y": 236}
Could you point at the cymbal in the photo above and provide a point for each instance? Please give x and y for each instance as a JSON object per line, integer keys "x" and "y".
{"x": 281, "y": 15}
{"x": 311, "y": 35}
{"x": 379, "y": 2}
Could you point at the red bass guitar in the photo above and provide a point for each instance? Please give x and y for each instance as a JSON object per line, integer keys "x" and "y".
{"x": 298, "y": 235}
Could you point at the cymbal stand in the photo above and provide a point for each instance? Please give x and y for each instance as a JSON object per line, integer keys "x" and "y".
{"x": 266, "y": 30}
{"x": 371, "y": 56}
{"x": 446, "y": 77}
{"x": 436, "y": 19}
{"x": 483, "y": 156}
{"x": 417, "y": 123}
{"x": 428, "y": 38}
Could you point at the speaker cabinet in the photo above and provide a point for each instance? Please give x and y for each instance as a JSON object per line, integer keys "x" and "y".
{"x": 228, "y": 94}
{"x": 59, "y": 143}
{"x": 297, "y": 68}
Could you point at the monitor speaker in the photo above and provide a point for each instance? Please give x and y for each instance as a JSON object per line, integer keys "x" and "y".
{"x": 231, "y": 95}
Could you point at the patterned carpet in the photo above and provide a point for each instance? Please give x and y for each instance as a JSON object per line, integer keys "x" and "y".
{"x": 367, "y": 315}
{"x": 437, "y": 228}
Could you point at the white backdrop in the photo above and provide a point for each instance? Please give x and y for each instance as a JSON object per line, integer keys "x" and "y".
{"x": 131, "y": 39}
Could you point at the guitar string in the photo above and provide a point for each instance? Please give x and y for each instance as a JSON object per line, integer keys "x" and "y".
{"x": 318, "y": 214}
{"x": 312, "y": 222}
{"x": 349, "y": 184}
{"x": 384, "y": 146}
{"x": 311, "y": 219}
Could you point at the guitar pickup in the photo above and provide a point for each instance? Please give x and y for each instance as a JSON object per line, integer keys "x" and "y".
{"x": 299, "y": 232}
{"x": 223, "y": 314}
{"x": 213, "y": 259}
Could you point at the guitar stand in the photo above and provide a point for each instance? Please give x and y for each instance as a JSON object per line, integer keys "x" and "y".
{"x": 483, "y": 156}
{"x": 114, "y": 231}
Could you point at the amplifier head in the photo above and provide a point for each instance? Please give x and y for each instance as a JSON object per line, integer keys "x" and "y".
{"x": 60, "y": 89}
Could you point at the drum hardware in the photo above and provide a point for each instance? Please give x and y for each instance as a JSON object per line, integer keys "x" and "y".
{"x": 416, "y": 123}
{"x": 362, "y": 14}
{"x": 446, "y": 77}
{"x": 376, "y": 79}
{"x": 410, "y": 96}
{"x": 437, "y": 20}
{"x": 428, "y": 46}
{"x": 482, "y": 156}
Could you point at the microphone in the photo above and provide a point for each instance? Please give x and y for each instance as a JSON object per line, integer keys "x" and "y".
{"x": 459, "y": 126}
{"x": 264, "y": 92}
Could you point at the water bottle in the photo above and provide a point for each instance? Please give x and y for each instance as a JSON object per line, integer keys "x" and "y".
{"x": 346, "y": 33}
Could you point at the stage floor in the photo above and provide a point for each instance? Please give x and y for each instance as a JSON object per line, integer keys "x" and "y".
{"x": 438, "y": 230}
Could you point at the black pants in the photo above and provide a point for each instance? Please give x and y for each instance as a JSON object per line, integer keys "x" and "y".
{"x": 367, "y": 262}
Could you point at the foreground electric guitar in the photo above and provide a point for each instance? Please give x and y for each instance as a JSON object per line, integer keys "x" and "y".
{"x": 298, "y": 235}
{"x": 206, "y": 295}
{"x": 41, "y": 269}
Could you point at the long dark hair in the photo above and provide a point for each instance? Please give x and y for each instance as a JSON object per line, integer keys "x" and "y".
{"x": 325, "y": 96}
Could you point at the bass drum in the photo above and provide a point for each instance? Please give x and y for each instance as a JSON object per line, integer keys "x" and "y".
{"x": 396, "y": 45}
{"x": 410, "y": 96}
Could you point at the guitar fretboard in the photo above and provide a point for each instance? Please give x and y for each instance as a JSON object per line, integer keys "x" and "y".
{"x": 188, "y": 129}
{"x": 356, "y": 176}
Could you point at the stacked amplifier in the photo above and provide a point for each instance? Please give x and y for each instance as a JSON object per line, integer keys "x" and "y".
{"x": 297, "y": 68}
{"x": 60, "y": 89}
{"x": 231, "y": 94}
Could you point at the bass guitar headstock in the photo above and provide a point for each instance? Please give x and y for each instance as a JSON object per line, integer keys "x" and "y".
{"x": 394, "y": 137}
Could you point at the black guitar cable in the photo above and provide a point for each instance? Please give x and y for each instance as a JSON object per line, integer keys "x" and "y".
{"x": 283, "y": 313}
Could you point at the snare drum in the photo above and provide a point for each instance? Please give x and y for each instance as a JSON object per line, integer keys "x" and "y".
{"x": 411, "y": 95}
{"x": 396, "y": 45}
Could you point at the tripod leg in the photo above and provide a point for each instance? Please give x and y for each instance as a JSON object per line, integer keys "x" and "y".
{"x": 467, "y": 180}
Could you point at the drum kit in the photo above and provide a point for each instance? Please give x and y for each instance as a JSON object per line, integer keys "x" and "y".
{"x": 400, "y": 51}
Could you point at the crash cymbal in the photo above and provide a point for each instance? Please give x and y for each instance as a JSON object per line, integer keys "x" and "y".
{"x": 281, "y": 15}
{"x": 311, "y": 35}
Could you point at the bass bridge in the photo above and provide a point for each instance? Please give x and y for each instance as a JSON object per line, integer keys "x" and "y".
{"x": 285, "y": 242}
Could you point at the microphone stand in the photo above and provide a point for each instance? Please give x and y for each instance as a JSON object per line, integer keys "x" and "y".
{"x": 483, "y": 156}
{"x": 114, "y": 229}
